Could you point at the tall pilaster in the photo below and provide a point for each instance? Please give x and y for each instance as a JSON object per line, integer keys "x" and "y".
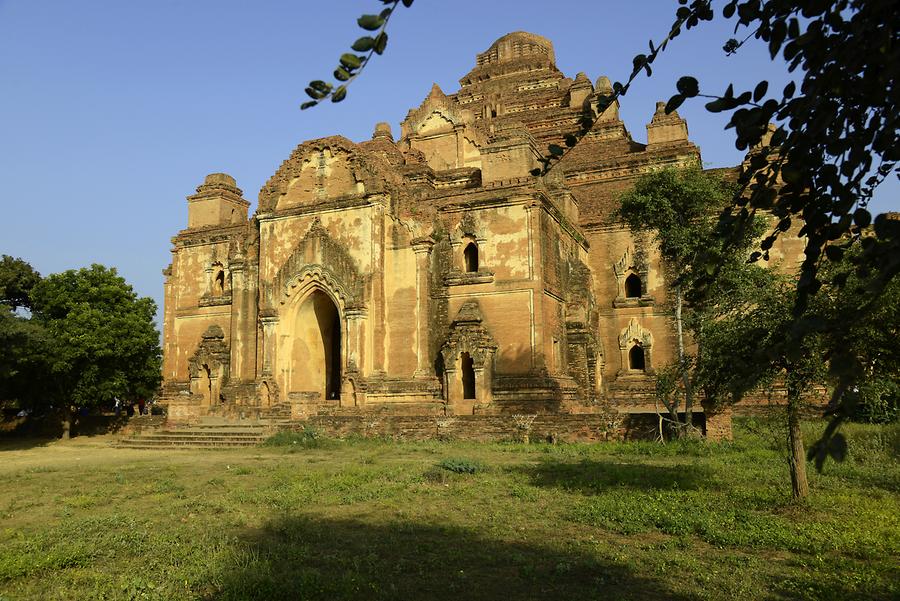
{"x": 268, "y": 323}
{"x": 243, "y": 319}
{"x": 355, "y": 340}
{"x": 422, "y": 247}
{"x": 379, "y": 331}
{"x": 170, "y": 347}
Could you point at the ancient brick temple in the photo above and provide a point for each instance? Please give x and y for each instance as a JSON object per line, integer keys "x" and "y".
{"x": 430, "y": 273}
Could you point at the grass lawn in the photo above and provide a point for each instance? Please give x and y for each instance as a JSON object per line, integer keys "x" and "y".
{"x": 370, "y": 519}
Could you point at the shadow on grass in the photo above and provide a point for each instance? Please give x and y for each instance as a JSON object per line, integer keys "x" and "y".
{"x": 307, "y": 558}
{"x": 871, "y": 478}
{"x": 15, "y": 443}
{"x": 592, "y": 476}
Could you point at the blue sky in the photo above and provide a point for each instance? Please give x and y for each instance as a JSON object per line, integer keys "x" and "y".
{"x": 112, "y": 112}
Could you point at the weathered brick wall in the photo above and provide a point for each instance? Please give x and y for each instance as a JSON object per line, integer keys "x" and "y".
{"x": 559, "y": 428}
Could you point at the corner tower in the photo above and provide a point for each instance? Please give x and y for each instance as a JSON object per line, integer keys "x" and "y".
{"x": 218, "y": 201}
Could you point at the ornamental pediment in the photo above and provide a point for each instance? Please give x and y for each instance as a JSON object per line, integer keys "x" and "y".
{"x": 438, "y": 113}
{"x": 322, "y": 170}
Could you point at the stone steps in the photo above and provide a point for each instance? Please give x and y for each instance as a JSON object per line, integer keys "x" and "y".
{"x": 208, "y": 434}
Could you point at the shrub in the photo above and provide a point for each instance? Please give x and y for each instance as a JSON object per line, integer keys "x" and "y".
{"x": 307, "y": 438}
{"x": 461, "y": 466}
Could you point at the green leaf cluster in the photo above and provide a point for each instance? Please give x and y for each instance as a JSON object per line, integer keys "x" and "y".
{"x": 350, "y": 64}
{"x": 680, "y": 208}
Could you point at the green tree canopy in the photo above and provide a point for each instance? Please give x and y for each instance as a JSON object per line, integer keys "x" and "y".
{"x": 105, "y": 343}
{"x": 873, "y": 340}
{"x": 679, "y": 208}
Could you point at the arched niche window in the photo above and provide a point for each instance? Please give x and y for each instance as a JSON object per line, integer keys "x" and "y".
{"x": 467, "y": 367}
{"x": 219, "y": 283}
{"x": 636, "y": 359}
{"x": 470, "y": 257}
{"x": 633, "y": 286}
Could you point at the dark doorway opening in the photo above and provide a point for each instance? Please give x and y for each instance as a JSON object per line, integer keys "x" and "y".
{"x": 633, "y": 286}
{"x": 206, "y": 383}
{"x": 636, "y": 358}
{"x": 330, "y": 326}
{"x": 471, "y": 257}
{"x": 467, "y": 366}
{"x": 325, "y": 334}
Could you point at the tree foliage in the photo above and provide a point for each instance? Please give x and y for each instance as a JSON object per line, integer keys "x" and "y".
{"x": 24, "y": 343}
{"x": 679, "y": 208}
{"x": 834, "y": 140}
{"x": 744, "y": 352}
{"x": 25, "y": 347}
{"x": 17, "y": 278}
{"x": 105, "y": 342}
{"x": 88, "y": 339}
{"x": 872, "y": 339}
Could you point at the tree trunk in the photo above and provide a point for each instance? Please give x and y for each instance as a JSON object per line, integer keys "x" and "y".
{"x": 675, "y": 426}
{"x": 797, "y": 453}
{"x": 682, "y": 362}
{"x": 66, "y": 422}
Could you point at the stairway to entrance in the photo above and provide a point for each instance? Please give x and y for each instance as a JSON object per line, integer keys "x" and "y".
{"x": 208, "y": 433}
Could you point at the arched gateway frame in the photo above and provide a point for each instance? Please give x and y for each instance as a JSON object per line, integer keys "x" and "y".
{"x": 467, "y": 360}
{"x": 311, "y": 345}
{"x": 316, "y": 347}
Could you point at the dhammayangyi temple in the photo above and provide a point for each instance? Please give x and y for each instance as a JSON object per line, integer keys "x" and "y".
{"x": 427, "y": 277}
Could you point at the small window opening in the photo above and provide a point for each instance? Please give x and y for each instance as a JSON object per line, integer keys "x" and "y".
{"x": 493, "y": 112}
{"x": 468, "y": 375}
{"x": 633, "y": 286}
{"x": 470, "y": 254}
{"x": 219, "y": 284}
{"x": 636, "y": 358}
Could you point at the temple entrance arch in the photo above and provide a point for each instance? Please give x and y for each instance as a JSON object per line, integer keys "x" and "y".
{"x": 314, "y": 345}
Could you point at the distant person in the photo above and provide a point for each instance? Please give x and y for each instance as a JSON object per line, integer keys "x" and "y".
{"x": 141, "y": 404}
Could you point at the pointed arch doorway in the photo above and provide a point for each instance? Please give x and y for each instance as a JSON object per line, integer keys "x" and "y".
{"x": 315, "y": 368}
